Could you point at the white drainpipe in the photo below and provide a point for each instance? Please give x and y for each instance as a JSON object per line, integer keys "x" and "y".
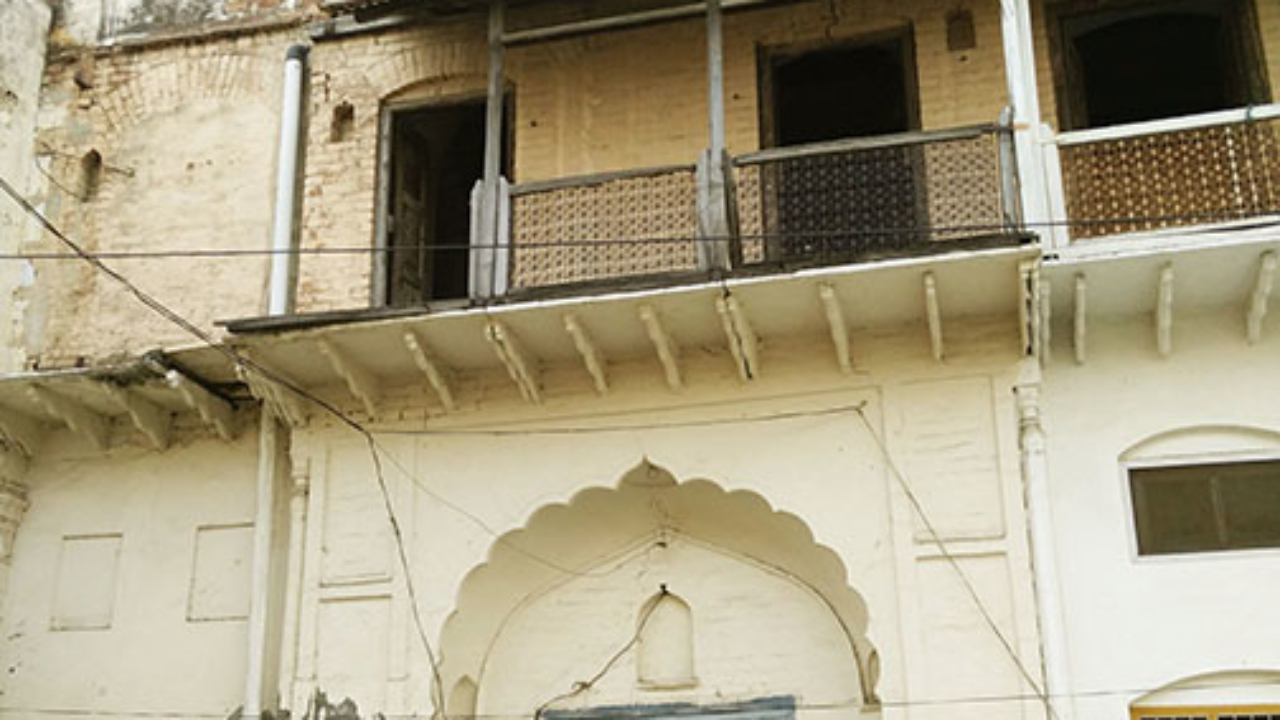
{"x": 284, "y": 230}
{"x": 273, "y": 436}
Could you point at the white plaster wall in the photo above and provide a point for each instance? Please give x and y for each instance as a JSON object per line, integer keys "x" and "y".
{"x": 756, "y": 633}
{"x": 1140, "y": 623}
{"x": 24, "y": 26}
{"x": 167, "y": 630}
{"x": 951, "y": 424}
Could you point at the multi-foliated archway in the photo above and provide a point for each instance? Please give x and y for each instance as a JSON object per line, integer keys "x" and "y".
{"x": 769, "y": 610}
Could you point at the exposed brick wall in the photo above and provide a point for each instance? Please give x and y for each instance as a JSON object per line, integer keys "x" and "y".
{"x": 186, "y": 135}
{"x": 596, "y": 103}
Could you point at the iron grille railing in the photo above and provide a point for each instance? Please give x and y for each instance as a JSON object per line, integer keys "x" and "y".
{"x": 609, "y": 226}
{"x": 875, "y": 196}
{"x": 1177, "y": 173}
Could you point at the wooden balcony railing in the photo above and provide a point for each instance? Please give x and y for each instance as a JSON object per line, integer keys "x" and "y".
{"x": 839, "y": 201}
{"x": 875, "y": 196}
{"x": 1194, "y": 170}
{"x": 614, "y": 225}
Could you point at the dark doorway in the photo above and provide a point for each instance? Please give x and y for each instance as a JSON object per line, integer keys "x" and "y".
{"x": 437, "y": 156}
{"x": 834, "y": 206}
{"x": 852, "y": 90}
{"x": 1153, "y": 60}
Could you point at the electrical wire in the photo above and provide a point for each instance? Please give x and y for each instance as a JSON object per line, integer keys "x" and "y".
{"x": 936, "y": 537}
{"x": 627, "y": 427}
{"x": 837, "y": 705}
{"x": 243, "y": 361}
{"x": 819, "y": 237}
{"x": 583, "y": 685}
{"x": 376, "y": 453}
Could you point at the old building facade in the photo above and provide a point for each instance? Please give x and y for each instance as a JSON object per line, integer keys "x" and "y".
{"x": 851, "y": 358}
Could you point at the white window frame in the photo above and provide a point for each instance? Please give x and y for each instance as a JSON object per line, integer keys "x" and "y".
{"x": 1184, "y": 460}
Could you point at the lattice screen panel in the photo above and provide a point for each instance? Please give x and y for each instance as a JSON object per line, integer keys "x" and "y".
{"x": 615, "y": 228}
{"x": 1174, "y": 179}
{"x": 870, "y": 201}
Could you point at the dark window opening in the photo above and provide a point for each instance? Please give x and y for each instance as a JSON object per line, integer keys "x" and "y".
{"x": 1157, "y": 60}
{"x": 841, "y": 205}
{"x": 1198, "y": 508}
{"x": 845, "y": 91}
{"x": 437, "y": 156}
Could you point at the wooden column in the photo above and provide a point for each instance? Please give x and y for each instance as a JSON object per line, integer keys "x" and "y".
{"x": 1020, "y": 76}
{"x": 484, "y": 280}
{"x": 714, "y": 194}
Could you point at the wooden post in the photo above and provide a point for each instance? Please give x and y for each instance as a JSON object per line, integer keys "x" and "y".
{"x": 483, "y": 268}
{"x": 715, "y": 76}
{"x": 714, "y": 227}
{"x": 1020, "y": 76}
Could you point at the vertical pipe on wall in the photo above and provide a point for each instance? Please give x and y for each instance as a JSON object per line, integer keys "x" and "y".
{"x": 272, "y": 435}
{"x": 1035, "y": 477}
{"x": 284, "y": 226}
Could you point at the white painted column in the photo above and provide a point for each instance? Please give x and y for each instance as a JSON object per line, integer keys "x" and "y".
{"x": 484, "y": 272}
{"x": 1035, "y": 476}
{"x": 298, "y": 499}
{"x": 271, "y": 443}
{"x": 1029, "y": 136}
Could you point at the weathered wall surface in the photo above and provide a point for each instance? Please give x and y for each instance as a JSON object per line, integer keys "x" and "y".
{"x": 93, "y": 22}
{"x": 166, "y": 150}
{"x": 950, "y": 428}
{"x": 627, "y": 99}
{"x": 1144, "y": 622}
{"x": 24, "y": 27}
{"x": 129, "y": 587}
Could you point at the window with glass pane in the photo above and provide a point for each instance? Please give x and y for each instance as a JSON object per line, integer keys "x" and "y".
{"x": 1206, "y": 507}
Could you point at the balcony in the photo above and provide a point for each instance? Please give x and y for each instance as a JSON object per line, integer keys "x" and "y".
{"x": 825, "y": 203}
{"x": 1190, "y": 171}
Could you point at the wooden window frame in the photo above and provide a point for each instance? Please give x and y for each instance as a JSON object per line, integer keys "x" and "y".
{"x": 1055, "y": 13}
{"x": 1175, "y": 461}
{"x": 768, "y": 55}
{"x": 1195, "y": 712}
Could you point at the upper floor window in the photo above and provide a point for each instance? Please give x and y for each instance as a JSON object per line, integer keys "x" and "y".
{"x": 1206, "y": 507}
{"x": 1136, "y": 60}
{"x": 853, "y": 89}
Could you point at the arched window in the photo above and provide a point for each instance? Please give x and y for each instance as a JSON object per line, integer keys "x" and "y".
{"x": 665, "y": 652}
{"x": 1234, "y": 695}
{"x": 1205, "y": 489}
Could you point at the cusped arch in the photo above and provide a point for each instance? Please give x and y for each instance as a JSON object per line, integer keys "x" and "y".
{"x": 645, "y": 503}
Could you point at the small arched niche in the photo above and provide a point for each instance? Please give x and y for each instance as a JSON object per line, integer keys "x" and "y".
{"x": 664, "y": 650}
{"x": 461, "y": 702}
